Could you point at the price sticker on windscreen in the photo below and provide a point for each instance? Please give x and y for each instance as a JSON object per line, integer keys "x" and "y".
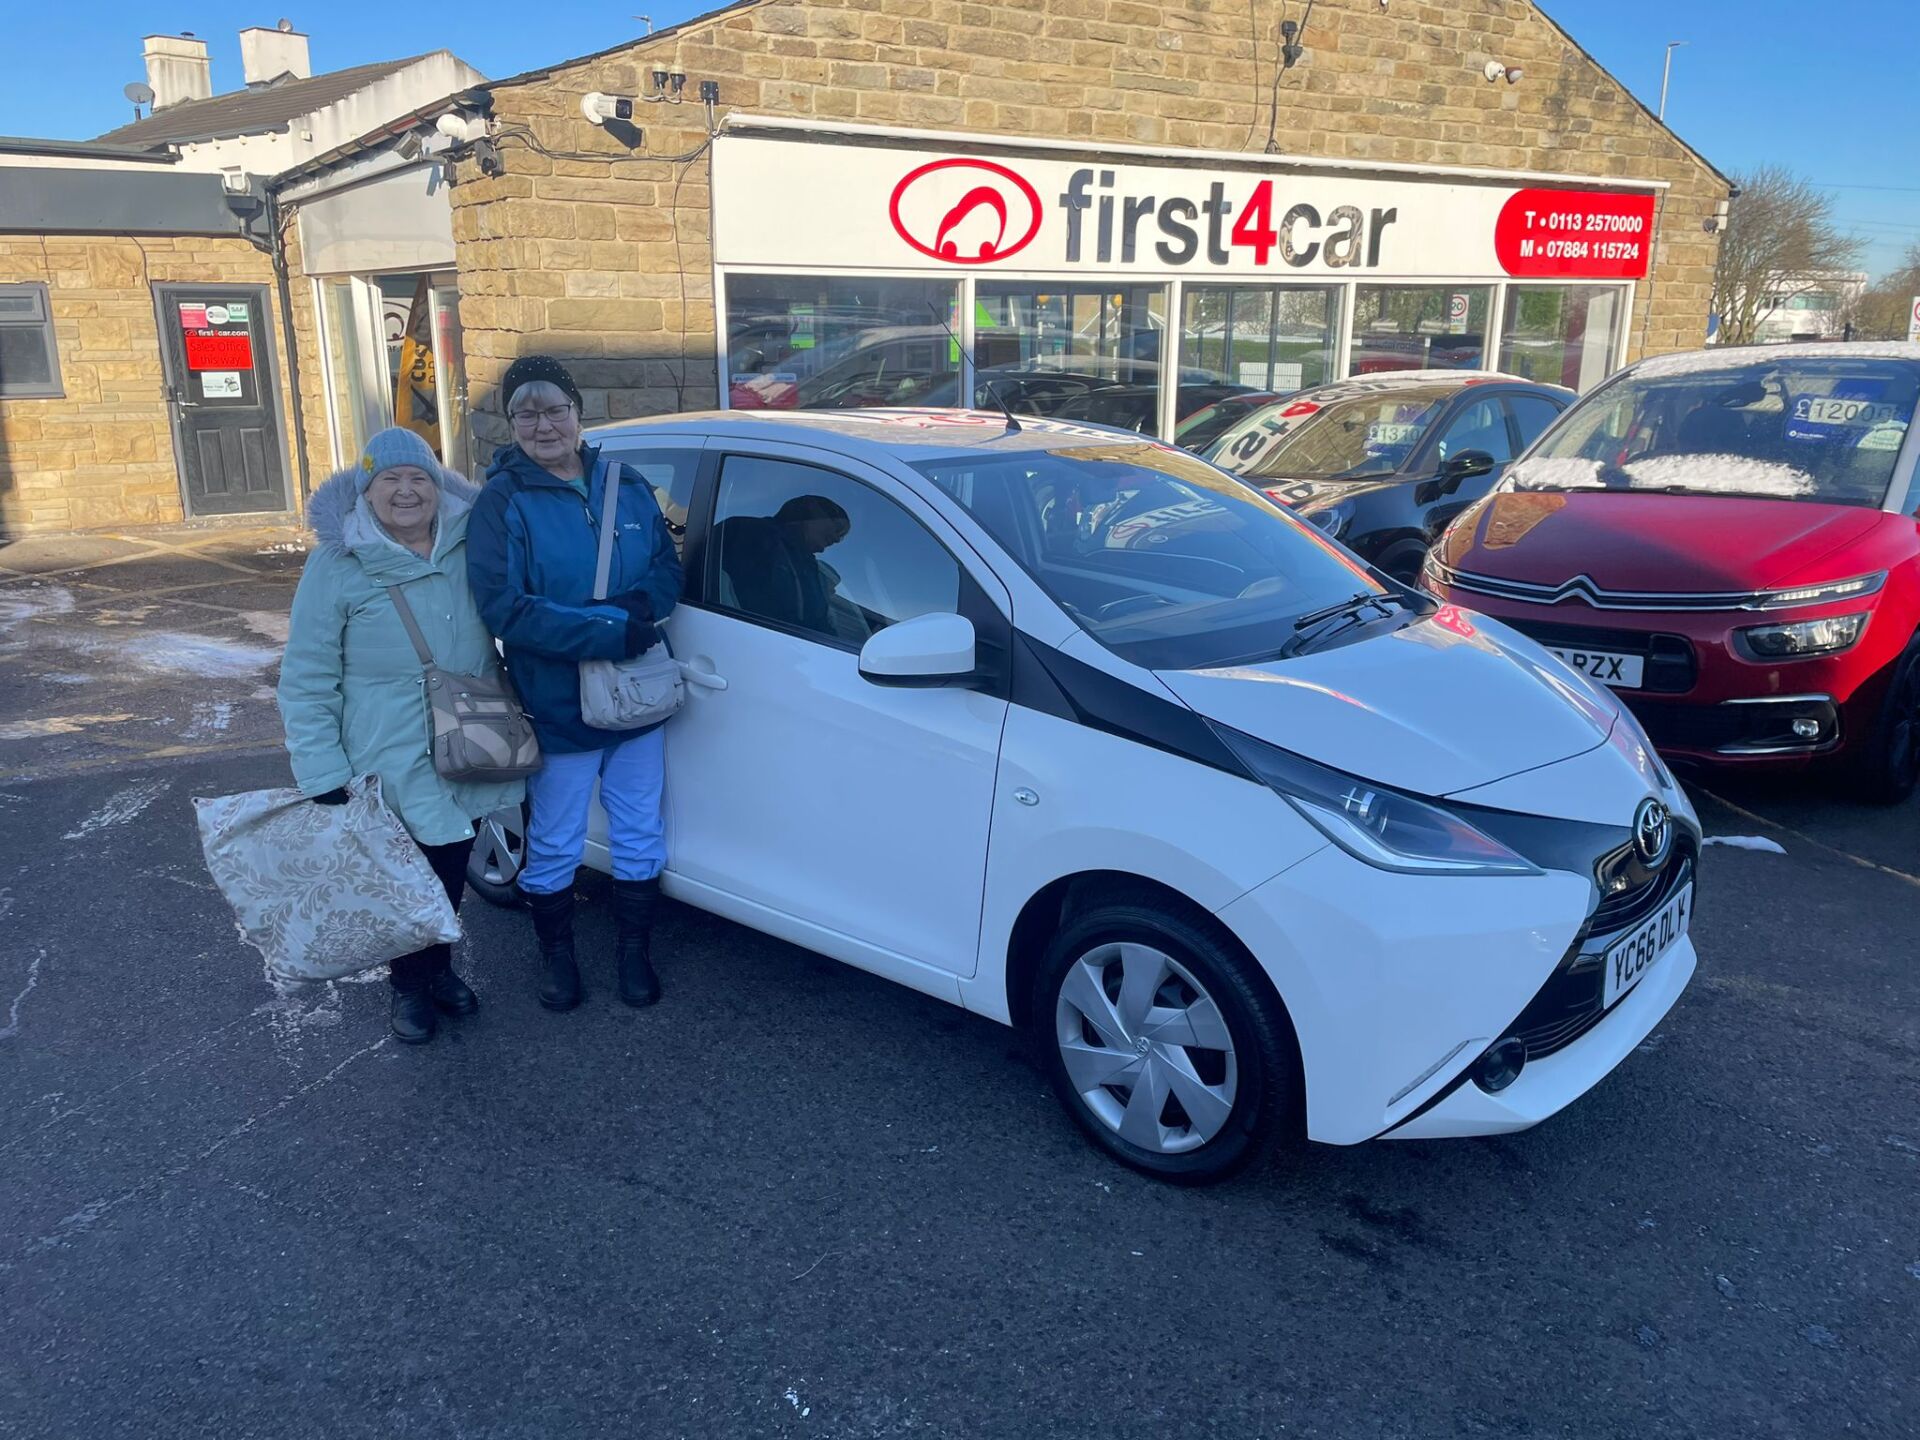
{"x": 1856, "y": 414}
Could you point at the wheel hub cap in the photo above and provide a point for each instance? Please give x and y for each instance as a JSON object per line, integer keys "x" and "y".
{"x": 1146, "y": 1048}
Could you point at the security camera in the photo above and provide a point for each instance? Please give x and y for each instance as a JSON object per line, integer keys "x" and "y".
{"x": 487, "y": 158}
{"x": 1514, "y": 73}
{"x": 1495, "y": 72}
{"x": 460, "y": 128}
{"x": 599, "y": 108}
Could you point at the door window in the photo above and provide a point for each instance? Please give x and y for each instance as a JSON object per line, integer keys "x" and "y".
{"x": 671, "y": 473}
{"x": 1481, "y": 426}
{"x": 818, "y": 552}
{"x": 1532, "y": 414}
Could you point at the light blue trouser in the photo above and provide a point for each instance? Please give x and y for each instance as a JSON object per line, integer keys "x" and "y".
{"x": 632, "y": 778}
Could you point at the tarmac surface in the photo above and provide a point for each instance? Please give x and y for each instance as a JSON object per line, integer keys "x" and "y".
{"x": 795, "y": 1200}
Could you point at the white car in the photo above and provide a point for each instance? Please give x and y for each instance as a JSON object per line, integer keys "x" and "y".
{"x": 1076, "y": 731}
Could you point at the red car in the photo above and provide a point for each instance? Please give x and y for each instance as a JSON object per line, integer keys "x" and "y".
{"x": 1728, "y": 539}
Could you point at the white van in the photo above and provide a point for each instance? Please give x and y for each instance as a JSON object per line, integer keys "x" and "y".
{"x": 1078, "y": 732}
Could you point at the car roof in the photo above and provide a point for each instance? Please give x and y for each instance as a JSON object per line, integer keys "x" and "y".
{"x": 906, "y": 434}
{"x": 1735, "y": 357}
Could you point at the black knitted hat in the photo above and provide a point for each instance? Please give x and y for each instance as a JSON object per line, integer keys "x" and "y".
{"x": 529, "y": 368}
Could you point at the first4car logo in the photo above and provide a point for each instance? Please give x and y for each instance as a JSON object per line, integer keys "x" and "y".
{"x": 966, "y": 212}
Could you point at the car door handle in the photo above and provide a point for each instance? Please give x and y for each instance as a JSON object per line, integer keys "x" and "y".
{"x": 706, "y": 679}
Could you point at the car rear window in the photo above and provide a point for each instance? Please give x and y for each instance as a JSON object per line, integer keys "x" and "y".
{"x": 1341, "y": 439}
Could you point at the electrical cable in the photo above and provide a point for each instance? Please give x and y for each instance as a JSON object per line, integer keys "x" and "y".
{"x": 1280, "y": 73}
{"x": 1253, "y": 34}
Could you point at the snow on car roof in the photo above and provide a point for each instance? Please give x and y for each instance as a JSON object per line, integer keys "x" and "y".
{"x": 1736, "y": 357}
{"x": 889, "y": 429}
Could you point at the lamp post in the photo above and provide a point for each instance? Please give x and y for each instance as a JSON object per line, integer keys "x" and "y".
{"x": 1666, "y": 74}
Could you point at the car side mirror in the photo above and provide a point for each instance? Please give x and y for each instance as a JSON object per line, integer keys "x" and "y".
{"x": 1467, "y": 465}
{"x": 926, "y": 651}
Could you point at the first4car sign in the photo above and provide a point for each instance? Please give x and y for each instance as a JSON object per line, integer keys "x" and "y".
{"x": 899, "y": 208}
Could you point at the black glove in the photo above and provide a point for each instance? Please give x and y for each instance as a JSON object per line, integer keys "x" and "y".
{"x": 335, "y": 796}
{"x": 637, "y": 603}
{"x": 642, "y": 636}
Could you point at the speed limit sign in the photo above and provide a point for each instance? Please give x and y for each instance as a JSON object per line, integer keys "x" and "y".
{"x": 1913, "y": 320}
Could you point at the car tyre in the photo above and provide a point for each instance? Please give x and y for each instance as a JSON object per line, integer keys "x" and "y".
{"x": 499, "y": 852}
{"x": 1403, "y": 563}
{"x": 1889, "y": 767}
{"x": 1227, "y": 1097}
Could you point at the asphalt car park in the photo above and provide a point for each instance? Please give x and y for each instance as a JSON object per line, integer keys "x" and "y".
{"x": 794, "y": 1199}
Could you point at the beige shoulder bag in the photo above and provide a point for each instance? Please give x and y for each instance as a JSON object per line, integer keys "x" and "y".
{"x": 479, "y": 730}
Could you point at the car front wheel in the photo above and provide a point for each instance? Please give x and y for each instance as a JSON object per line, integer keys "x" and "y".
{"x": 1889, "y": 768}
{"x": 1163, "y": 1044}
{"x": 499, "y": 850}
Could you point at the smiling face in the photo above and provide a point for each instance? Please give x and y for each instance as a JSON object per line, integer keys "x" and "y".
{"x": 546, "y": 424}
{"x": 404, "y": 500}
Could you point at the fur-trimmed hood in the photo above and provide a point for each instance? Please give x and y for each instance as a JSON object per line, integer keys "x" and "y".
{"x": 341, "y": 519}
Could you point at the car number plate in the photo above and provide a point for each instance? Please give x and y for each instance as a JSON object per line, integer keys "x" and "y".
{"x": 1629, "y": 959}
{"x": 1624, "y": 672}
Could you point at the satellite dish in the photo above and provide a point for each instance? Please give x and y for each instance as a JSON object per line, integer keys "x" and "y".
{"x": 285, "y": 27}
{"x": 138, "y": 93}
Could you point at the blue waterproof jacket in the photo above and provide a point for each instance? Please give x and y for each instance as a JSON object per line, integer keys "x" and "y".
{"x": 532, "y": 545}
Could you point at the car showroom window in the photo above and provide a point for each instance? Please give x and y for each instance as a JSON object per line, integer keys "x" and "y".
{"x": 817, "y": 551}
{"x": 29, "y": 358}
{"x": 807, "y": 342}
{"x": 1481, "y": 426}
{"x": 671, "y": 473}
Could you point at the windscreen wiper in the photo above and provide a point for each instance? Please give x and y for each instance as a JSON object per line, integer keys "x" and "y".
{"x": 1318, "y": 624}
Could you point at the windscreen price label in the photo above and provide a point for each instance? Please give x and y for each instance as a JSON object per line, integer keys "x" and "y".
{"x": 1834, "y": 410}
{"x": 1592, "y": 235}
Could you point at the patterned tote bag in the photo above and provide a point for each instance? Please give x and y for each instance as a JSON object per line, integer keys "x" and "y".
{"x": 323, "y": 890}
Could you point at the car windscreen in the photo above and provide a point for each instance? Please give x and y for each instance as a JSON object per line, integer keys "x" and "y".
{"x": 1798, "y": 428}
{"x": 1346, "y": 438}
{"x": 1156, "y": 554}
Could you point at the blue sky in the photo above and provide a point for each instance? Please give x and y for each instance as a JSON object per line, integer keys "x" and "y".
{"x": 1828, "y": 89}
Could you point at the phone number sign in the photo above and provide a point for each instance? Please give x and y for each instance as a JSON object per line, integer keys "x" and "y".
{"x": 1561, "y": 234}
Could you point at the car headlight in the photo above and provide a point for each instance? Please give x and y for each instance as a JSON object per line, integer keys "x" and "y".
{"x": 1386, "y": 828}
{"x": 1805, "y": 637}
{"x": 1334, "y": 519}
{"x": 1819, "y": 594}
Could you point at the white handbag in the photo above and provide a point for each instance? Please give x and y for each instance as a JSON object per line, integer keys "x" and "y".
{"x": 626, "y": 694}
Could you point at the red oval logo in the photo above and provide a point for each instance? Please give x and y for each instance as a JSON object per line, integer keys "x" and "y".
{"x": 965, "y": 211}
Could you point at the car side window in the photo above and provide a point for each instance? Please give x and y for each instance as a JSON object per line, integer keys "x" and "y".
{"x": 1481, "y": 426}
{"x": 1532, "y": 414}
{"x": 812, "y": 550}
{"x": 672, "y": 474}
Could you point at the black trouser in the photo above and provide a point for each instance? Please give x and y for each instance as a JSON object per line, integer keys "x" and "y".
{"x": 449, "y": 862}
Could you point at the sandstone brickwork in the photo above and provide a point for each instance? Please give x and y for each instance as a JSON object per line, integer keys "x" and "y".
{"x": 605, "y": 261}
{"x": 102, "y": 455}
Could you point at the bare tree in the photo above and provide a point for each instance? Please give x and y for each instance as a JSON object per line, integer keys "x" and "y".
{"x": 1881, "y": 311}
{"x": 1780, "y": 242}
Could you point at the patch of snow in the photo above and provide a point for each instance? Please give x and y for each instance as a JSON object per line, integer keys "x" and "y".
{"x": 1747, "y": 842}
{"x": 1558, "y": 473}
{"x": 166, "y": 652}
{"x": 284, "y": 547}
{"x": 57, "y": 725}
{"x": 125, "y": 806}
{"x": 28, "y": 602}
{"x": 270, "y": 623}
{"x": 1702, "y": 474}
{"x": 63, "y": 678}
{"x": 1701, "y": 362}
{"x": 210, "y": 719}
{"x": 12, "y": 1027}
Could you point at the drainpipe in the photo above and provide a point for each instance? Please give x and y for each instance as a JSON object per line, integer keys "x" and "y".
{"x": 278, "y": 250}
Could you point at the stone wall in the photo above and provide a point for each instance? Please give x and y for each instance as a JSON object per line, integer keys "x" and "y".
{"x": 605, "y": 262}
{"x": 102, "y": 456}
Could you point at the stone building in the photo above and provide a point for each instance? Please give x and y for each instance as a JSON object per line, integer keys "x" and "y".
{"x": 916, "y": 201}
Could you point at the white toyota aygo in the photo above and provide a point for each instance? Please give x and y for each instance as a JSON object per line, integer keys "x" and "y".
{"x": 1074, "y": 730}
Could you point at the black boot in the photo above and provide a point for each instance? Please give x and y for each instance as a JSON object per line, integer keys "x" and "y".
{"x": 633, "y": 906}
{"x": 411, "y": 1012}
{"x": 447, "y": 990}
{"x": 553, "y": 924}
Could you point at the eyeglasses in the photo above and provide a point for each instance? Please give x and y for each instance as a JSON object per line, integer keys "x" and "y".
{"x": 530, "y": 419}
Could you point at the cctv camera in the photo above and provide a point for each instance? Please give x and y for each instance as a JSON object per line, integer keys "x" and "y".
{"x": 1514, "y": 72}
{"x": 599, "y": 108}
{"x": 459, "y": 128}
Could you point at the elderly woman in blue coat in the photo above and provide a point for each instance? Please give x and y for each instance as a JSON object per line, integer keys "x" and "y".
{"x": 350, "y": 690}
{"x": 532, "y": 556}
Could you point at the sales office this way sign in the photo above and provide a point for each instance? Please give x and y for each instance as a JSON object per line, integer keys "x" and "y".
{"x": 805, "y": 205}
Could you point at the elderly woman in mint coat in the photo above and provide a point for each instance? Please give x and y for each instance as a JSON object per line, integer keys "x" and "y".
{"x": 532, "y": 556}
{"x": 350, "y": 692}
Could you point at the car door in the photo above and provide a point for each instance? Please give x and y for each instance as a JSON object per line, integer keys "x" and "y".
{"x": 804, "y": 799}
{"x": 1480, "y": 423}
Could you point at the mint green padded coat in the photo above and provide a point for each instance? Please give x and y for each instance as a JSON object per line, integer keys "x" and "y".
{"x": 350, "y": 693}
